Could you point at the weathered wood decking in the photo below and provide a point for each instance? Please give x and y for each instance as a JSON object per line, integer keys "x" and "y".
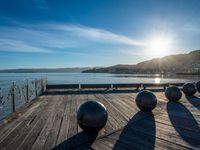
{"x": 50, "y": 122}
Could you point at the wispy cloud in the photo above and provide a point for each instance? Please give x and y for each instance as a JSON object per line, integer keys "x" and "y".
{"x": 19, "y": 46}
{"x": 51, "y": 37}
{"x": 98, "y": 35}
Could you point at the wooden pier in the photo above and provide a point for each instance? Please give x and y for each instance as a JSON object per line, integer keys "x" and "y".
{"x": 49, "y": 122}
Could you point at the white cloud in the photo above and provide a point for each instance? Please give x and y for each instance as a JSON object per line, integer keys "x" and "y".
{"x": 52, "y": 36}
{"x": 97, "y": 35}
{"x": 19, "y": 46}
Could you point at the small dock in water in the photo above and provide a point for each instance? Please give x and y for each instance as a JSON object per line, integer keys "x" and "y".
{"x": 49, "y": 122}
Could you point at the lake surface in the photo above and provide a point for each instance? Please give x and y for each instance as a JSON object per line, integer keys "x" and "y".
{"x": 80, "y": 78}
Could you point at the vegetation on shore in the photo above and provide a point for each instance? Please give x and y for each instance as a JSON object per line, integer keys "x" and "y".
{"x": 180, "y": 64}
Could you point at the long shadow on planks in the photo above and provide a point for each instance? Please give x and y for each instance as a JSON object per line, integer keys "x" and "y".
{"x": 195, "y": 101}
{"x": 184, "y": 123}
{"x": 139, "y": 133}
{"x": 82, "y": 140}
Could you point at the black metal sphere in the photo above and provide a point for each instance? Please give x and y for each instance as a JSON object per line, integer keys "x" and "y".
{"x": 189, "y": 89}
{"x": 198, "y": 86}
{"x": 146, "y": 100}
{"x": 92, "y": 116}
{"x": 173, "y": 93}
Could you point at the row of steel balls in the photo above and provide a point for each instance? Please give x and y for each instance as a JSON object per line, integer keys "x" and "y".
{"x": 92, "y": 115}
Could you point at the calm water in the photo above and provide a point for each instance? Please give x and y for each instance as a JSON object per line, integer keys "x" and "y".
{"x": 61, "y": 78}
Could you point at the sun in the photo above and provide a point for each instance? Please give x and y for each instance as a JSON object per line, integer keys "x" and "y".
{"x": 159, "y": 46}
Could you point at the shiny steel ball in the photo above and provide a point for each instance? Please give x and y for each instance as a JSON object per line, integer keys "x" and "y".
{"x": 173, "y": 93}
{"x": 189, "y": 89}
{"x": 92, "y": 116}
{"x": 146, "y": 100}
{"x": 198, "y": 86}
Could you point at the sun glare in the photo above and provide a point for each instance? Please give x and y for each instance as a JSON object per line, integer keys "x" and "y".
{"x": 157, "y": 80}
{"x": 159, "y": 46}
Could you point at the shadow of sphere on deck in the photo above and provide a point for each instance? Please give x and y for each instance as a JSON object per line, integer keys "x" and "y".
{"x": 138, "y": 134}
{"x": 80, "y": 141}
{"x": 183, "y": 122}
{"x": 195, "y": 101}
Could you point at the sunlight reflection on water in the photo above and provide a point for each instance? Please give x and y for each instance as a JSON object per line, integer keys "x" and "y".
{"x": 157, "y": 80}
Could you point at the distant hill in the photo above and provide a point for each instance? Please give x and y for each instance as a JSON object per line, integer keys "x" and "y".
{"x": 180, "y": 63}
{"x": 46, "y": 70}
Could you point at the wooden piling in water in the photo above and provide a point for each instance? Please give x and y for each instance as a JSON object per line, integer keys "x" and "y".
{"x": 27, "y": 91}
{"x": 36, "y": 87}
{"x": 13, "y": 94}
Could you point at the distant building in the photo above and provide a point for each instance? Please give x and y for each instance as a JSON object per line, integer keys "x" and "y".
{"x": 197, "y": 68}
{"x": 194, "y": 69}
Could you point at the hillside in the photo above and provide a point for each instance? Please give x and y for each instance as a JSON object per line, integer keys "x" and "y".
{"x": 180, "y": 63}
{"x": 45, "y": 70}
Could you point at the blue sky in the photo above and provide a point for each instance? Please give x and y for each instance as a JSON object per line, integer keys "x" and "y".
{"x": 72, "y": 33}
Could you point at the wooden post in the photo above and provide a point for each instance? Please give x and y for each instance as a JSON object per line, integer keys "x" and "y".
{"x": 27, "y": 92}
{"x": 41, "y": 85}
{"x": 35, "y": 87}
{"x": 46, "y": 83}
{"x": 1, "y": 96}
{"x": 137, "y": 88}
{"x": 13, "y": 94}
{"x": 111, "y": 86}
{"x": 144, "y": 87}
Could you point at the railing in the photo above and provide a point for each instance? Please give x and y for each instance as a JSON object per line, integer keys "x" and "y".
{"x": 20, "y": 94}
{"x": 112, "y": 86}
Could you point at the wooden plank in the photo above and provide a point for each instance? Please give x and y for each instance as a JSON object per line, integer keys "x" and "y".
{"x": 164, "y": 132}
{"x": 141, "y": 141}
{"x": 24, "y": 125}
{"x": 105, "y": 143}
{"x": 117, "y": 109}
{"x": 54, "y": 132}
{"x": 115, "y": 122}
{"x": 16, "y": 137}
{"x": 144, "y": 139}
{"x": 82, "y": 140}
{"x": 32, "y": 133}
{"x": 37, "y": 128}
{"x": 73, "y": 126}
{"x": 126, "y": 105}
{"x": 65, "y": 122}
{"x": 11, "y": 122}
{"x": 41, "y": 139}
